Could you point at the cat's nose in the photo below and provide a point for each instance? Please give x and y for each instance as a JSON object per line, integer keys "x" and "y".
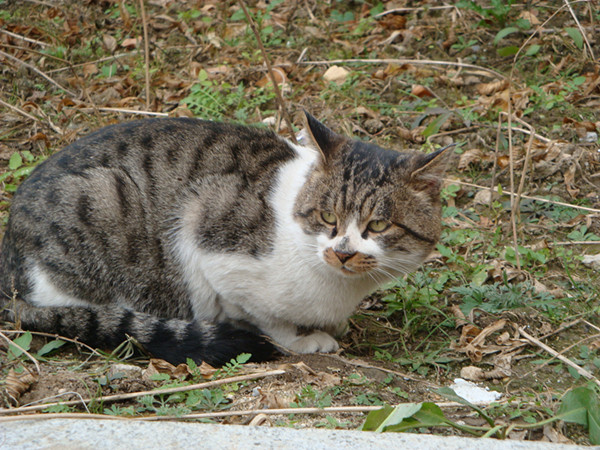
{"x": 343, "y": 256}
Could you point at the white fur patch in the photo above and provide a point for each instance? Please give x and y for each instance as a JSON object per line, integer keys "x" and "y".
{"x": 290, "y": 286}
{"x": 45, "y": 293}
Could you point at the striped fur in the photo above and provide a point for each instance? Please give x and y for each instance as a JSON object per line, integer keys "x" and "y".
{"x": 194, "y": 236}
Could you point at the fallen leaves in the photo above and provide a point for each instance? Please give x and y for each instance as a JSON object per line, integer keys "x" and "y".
{"x": 15, "y": 384}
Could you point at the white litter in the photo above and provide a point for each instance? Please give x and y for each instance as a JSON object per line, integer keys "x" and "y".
{"x": 473, "y": 393}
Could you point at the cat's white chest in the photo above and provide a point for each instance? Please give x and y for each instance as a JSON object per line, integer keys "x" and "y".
{"x": 290, "y": 284}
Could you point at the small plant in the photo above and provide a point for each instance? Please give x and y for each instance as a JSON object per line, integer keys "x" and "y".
{"x": 233, "y": 366}
{"x": 309, "y": 397}
{"x": 211, "y": 101}
{"x": 498, "y": 297}
{"x": 20, "y": 165}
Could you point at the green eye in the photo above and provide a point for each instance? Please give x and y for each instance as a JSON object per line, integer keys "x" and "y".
{"x": 377, "y": 226}
{"x": 329, "y": 218}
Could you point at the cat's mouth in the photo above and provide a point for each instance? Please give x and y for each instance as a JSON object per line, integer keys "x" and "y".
{"x": 353, "y": 264}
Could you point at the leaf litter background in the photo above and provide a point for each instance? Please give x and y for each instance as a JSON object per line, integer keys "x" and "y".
{"x": 422, "y": 76}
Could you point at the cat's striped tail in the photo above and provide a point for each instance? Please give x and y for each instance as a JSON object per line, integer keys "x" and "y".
{"x": 170, "y": 339}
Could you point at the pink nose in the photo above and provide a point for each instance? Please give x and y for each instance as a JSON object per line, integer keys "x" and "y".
{"x": 343, "y": 256}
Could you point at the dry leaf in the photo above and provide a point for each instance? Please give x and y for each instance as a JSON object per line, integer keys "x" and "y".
{"x": 278, "y": 74}
{"x": 89, "y": 70}
{"x": 16, "y": 384}
{"x": 336, "y": 74}
{"x": 492, "y": 88}
{"x": 393, "y": 21}
{"x": 570, "y": 181}
{"x": 110, "y": 43}
{"x": 421, "y": 91}
{"x": 530, "y": 16}
{"x": 472, "y": 373}
{"x": 483, "y": 197}
{"x": 131, "y": 42}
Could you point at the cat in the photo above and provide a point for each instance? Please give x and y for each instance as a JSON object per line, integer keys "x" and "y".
{"x": 197, "y": 238}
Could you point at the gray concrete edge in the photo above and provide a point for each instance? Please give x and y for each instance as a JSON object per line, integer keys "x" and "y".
{"x": 132, "y": 434}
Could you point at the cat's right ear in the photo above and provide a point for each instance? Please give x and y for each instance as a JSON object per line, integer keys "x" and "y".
{"x": 325, "y": 140}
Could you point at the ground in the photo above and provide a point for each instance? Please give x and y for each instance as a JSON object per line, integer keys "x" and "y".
{"x": 516, "y": 87}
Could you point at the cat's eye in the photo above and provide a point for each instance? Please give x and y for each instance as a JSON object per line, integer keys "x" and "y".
{"x": 377, "y": 226}
{"x": 329, "y": 218}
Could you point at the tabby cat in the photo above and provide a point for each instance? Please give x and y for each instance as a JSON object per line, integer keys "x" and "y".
{"x": 196, "y": 237}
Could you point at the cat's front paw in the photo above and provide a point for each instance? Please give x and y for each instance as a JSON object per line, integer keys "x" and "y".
{"x": 315, "y": 342}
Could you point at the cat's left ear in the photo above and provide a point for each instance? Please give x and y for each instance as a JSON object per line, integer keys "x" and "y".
{"x": 428, "y": 170}
{"x": 328, "y": 142}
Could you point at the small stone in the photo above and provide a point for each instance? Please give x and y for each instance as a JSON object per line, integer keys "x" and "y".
{"x": 373, "y": 126}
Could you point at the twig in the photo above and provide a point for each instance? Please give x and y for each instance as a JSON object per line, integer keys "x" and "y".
{"x": 495, "y": 164}
{"x": 247, "y": 412}
{"x": 62, "y": 395}
{"x": 284, "y": 111}
{"x": 23, "y": 38}
{"x": 25, "y": 352}
{"x": 20, "y": 111}
{"x": 581, "y": 30}
{"x": 524, "y": 171}
{"x": 146, "y": 53}
{"x": 580, "y": 370}
{"x": 514, "y": 206}
{"x": 401, "y": 10}
{"x": 425, "y": 62}
{"x": 564, "y": 350}
{"x": 383, "y": 369}
{"x": 106, "y": 58}
{"x": 55, "y": 336}
{"x": 117, "y": 397}
{"x": 590, "y": 325}
{"x": 38, "y": 71}
{"x": 576, "y": 243}
{"x": 125, "y": 111}
{"x": 543, "y": 200}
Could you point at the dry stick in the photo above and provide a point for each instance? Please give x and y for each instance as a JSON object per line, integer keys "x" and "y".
{"x": 511, "y": 165}
{"x": 401, "y": 10}
{"x": 124, "y": 111}
{"x": 382, "y": 369}
{"x": 564, "y": 350}
{"x": 425, "y": 62}
{"x": 55, "y": 336}
{"x": 116, "y": 397}
{"x": 38, "y": 71}
{"x": 576, "y": 243}
{"x": 29, "y": 116}
{"x": 580, "y": 370}
{"x": 106, "y": 58}
{"x": 284, "y": 112}
{"x": 146, "y": 53}
{"x": 524, "y": 171}
{"x": 590, "y": 325}
{"x": 495, "y": 165}
{"x": 581, "y": 30}
{"x": 25, "y": 352}
{"x": 530, "y": 197}
{"x": 20, "y": 111}
{"x": 23, "y": 38}
{"x": 247, "y": 412}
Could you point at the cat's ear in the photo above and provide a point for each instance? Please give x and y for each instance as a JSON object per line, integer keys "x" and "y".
{"x": 428, "y": 170}
{"x": 325, "y": 140}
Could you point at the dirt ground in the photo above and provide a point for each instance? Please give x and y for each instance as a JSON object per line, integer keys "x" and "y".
{"x": 418, "y": 77}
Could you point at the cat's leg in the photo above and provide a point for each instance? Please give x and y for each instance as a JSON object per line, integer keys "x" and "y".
{"x": 290, "y": 337}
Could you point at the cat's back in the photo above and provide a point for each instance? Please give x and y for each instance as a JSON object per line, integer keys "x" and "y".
{"x": 105, "y": 205}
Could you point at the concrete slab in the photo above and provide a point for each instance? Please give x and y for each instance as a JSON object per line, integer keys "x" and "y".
{"x": 113, "y": 434}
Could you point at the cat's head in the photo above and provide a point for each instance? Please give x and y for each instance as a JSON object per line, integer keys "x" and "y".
{"x": 373, "y": 212}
